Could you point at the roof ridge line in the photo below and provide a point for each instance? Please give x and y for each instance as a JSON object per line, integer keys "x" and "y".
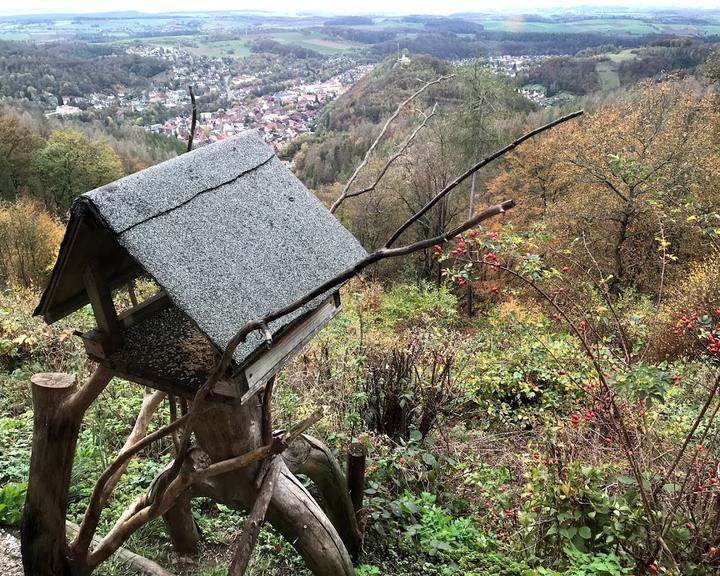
{"x": 187, "y": 201}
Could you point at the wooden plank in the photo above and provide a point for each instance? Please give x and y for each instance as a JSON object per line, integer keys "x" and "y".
{"x": 145, "y": 309}
{"x": 287, "y": 345}
{"x": 78, "y": 301}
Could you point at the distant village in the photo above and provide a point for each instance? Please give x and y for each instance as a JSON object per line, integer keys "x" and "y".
{"x": 280, "y": 116}
{"x": 511, "y": 66}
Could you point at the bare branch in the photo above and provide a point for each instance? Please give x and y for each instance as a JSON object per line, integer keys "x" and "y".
{"x": 484, "y": 162}
{"x": 400, "y": 151}
{"x": 253, "y": 523}
{"x": 193, "y": 122}
{"x": 380, "y": 136}
{"x": 101, "y": 492}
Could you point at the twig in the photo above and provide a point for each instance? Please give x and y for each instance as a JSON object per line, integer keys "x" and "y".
{"x": 193, "y": 122}
{"x": 380, "y": 136}
{"x": 470, "y": 171}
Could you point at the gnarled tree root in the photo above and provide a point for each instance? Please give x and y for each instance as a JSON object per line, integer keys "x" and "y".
{"x": 311, "y": 457}
{"x": 226, "y": 431}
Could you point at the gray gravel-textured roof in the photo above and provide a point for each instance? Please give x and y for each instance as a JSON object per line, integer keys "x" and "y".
{"x": 229, "y": 232}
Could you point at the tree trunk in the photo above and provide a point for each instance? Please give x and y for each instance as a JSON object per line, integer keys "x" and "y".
{"x": 42, "y": 529}
{"x": 227, "y": 430}
{"x": 59, "y": 408}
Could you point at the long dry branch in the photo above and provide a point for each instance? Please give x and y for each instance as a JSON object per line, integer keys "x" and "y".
{"x": 380, "y": 136}
{"x": 193, "y": 121}
{"x": 386, "y": 252}
{"x": 101, "y": 492}
{"x": 253, "y": 523}
{"x": 259, "y": 324}
{"x": 474, "y": 168}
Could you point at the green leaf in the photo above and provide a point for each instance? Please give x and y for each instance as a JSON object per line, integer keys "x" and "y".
{"x": 585, "y": 533}
{"x": 429, "y": 459}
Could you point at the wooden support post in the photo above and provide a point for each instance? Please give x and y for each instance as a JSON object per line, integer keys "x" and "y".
{"x": 55, "y": 432}
{"x": 59, "y": 408}
{"x": 106, "y": 316}
{"x": 181, "y": 525}
{"x": 356, "y": 474}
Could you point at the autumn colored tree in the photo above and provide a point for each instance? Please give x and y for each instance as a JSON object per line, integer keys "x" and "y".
{"x": 18, "y": 143}
{"x": 629, "y": 187}
{"x": 70, "y": 164}
{"x": 29, "y": 240}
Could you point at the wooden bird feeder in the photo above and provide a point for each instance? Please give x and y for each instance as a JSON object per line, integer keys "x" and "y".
{"x": 229, "y": 234}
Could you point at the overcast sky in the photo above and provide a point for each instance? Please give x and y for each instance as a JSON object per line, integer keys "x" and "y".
{"x": 335, "y": 6}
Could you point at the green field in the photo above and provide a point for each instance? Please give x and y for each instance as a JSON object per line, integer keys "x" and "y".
{"x": 600, "y": 25}
{"x": 609, "y": 79}
{"x": 313, "y": 41}
{"x": 609, "y": 25}
{"x": 239, "y": 48}
{"x": 198, "y": 46}
{"x": 607, "y": 69}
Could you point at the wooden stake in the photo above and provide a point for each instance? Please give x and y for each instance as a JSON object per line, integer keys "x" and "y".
{"x": 356, "y": 474}
{"x": 55, "y": 432}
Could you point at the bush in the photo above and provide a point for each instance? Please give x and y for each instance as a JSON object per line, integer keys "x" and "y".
{"x": 29, "y": 241}
{"x": 696, "y": 292}
{"x": 527, "y": 371}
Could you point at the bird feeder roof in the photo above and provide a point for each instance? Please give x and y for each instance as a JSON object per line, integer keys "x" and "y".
{"x": 227, "y": 231}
